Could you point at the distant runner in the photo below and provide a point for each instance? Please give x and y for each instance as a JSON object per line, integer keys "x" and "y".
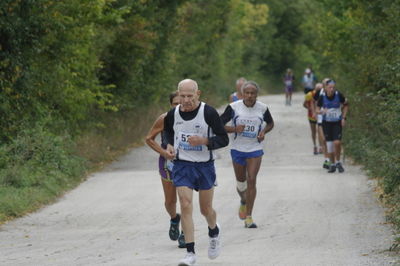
{"x": 309, "y": 104}
{"x": 249, "y": 117}
{"x": 237, "y": 95}
{"x": 308, "y": 81}
{"x": 333, "y": 106}
{"x": 288, "y": 81}
{"x": 321, "y": 137}
{"x": 165, "y": 168}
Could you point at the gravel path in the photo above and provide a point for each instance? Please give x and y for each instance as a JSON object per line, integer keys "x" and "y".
{"x": 305, "y": 215}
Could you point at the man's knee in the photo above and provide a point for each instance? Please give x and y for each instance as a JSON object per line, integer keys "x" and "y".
{"x": 206, "y": 210}
{"x": 185, "y": 202}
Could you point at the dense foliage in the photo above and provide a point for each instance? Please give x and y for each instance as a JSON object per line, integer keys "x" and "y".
{"x": 78, "y": 72}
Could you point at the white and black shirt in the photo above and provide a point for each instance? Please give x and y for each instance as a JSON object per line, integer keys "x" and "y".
{"x": 204, "y": 121}
{"x": 254, "y": 118}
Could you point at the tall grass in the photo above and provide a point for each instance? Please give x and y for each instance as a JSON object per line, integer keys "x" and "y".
{"x": 39, "y": 166}
{"x": 116, "y": 134}
{"x": 36, "y": 167}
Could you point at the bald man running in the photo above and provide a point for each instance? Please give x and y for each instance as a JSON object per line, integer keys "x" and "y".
{"x": 193, "y": 130}
{"x": 237, "y": 95}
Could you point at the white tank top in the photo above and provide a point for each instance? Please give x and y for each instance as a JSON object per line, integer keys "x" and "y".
{"x": 308, "y": 81}
{"x": 253, "y": 119}
{"x": 195, "y": 127}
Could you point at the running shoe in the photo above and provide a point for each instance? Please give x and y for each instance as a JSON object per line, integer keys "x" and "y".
{"x": 214, "y": 247}
{"x": 181, "y": 240}
{"x": 242, "y": 211}
{"x": 332, "y": 168}
{"x": 248, "y": 223}
{"x": 326, "y": 165}
{"x": 315, "y": 151}
{"x": 339, "y": 166}
{"x": 174, "y": 228}
{"x": 188, "y": 260}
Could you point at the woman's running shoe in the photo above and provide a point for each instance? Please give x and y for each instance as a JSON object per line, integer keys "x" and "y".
{"x": 181, "y": 240}
{"x": 174, "y": 228}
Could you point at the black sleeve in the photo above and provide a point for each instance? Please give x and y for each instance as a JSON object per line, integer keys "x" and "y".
{"x": 227, "y": 115}
{"x": 320, "y": 101}
{"x": 267, "y": 117}
{"x": 214, "y": 121}
{"x": 169, "y": 127}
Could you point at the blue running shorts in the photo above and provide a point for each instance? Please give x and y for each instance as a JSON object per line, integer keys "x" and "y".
{"x": 240, "y": 157}
{"x": 195, "y": 175}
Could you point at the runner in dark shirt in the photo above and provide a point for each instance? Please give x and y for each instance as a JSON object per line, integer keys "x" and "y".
{"x": 333, "y": 106}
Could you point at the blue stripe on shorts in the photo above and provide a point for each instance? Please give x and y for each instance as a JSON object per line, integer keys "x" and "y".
{"x": 195, "y": 175}
{"x": 240, "y": 156}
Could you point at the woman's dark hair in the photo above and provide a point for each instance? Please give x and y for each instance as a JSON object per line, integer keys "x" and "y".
{"x": 172, "y": 95}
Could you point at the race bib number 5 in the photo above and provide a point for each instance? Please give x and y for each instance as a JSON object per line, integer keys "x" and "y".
{"x": 184, "y": 142}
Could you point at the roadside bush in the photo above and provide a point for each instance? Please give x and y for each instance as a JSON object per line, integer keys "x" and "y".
{"x": 36, "y": 166}
{"x": 373, "y": 140}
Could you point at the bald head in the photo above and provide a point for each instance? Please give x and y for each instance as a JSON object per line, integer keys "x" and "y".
{"x": 240, "y": 80}
{"x": 188, "y": 84}
{"x": 239, "y": 84}
{"x": 189, "y": 94}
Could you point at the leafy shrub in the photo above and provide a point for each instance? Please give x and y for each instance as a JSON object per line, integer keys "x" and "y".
{"x": 35, "y": 167}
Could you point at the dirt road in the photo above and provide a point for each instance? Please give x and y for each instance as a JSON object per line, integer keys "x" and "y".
{"x": 305, "y": 215}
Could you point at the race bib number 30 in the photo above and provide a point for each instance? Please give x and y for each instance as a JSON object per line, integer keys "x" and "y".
{"x": 250, "y": 128}
{"x": 184, "y": 144}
